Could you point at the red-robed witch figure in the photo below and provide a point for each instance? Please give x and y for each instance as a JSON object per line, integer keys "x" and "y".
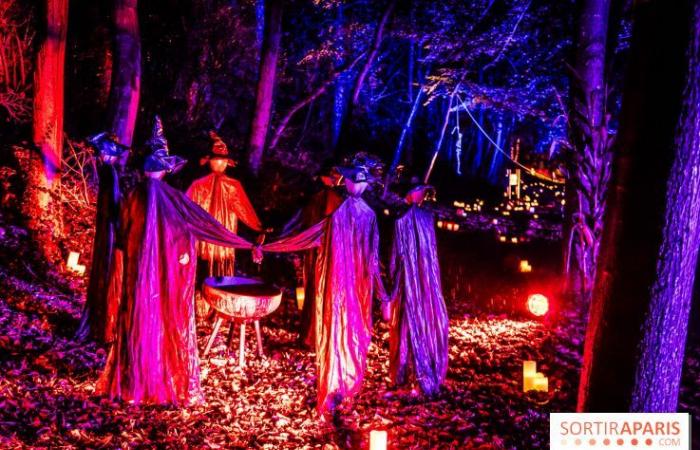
{"x": 347, "y": 274}
{"x": 154, "y": 358}
{"x": 321, "y": 204}
{"x": 98, "y": 318}
{"x": 419, "y": 324}
{"x": 225, "y": 199}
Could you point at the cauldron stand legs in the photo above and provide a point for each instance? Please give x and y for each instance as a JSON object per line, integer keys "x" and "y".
{"x": 214, "y": 332}
{"x": 241, "y": 349}
{"x": 257, "y": 332}
{"x": 241, "y": 342}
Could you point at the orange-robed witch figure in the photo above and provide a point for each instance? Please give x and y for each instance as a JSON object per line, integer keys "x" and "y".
{"x": 225, "y": 199}
{"x": 154, "y": 358}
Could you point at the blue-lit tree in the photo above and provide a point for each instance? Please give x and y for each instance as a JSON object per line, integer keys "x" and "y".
{"x": 635, "y": 340}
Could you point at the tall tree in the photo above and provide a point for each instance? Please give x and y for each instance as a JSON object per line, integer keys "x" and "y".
{"x": 591, "y": 155}
{"x": 372, "y": 55}
{"x": 48, "y": 87}
{"x": 41, "y": 203}
{"x": 341, "y": 83}
{"x": 266, "y": 84}
{"x": 126, "y": 70}
{"x": 666, "y": 324}
{"x": 636, "y": 235}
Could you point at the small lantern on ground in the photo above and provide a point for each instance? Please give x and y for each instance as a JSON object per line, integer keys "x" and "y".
{"x": 300, "y": 296}
{"x": 377, "y": 440}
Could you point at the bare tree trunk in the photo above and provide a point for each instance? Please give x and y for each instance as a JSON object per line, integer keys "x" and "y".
{"x": 259, "y": 24}
{"x": 126, "y": 72}
{"x": 266, "y": 85}
{"x": 48, "y": 87}
{"x": 374, "y": 51}
{"x": 445, "y": 122}
{"x": 341, "y": 84}
{"x": 666, "y": 324}
{"x": 632, "y": 237}
{"x": 360, "y": 80}
{"x": 41, "y": 204}
{"x": 591, "y": 158}
{"x": 404, "y": 131}
{"x": 308, "y": 100}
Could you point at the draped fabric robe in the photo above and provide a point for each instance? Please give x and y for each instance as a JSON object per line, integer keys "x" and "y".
{"x": 347, "y": 272}
{"x": 419, "y": 323}
{"x": 320, "y": 205}
{"x": 225, "y": 199}
{"x": 100, "y": 311}
{"x": 154, "y": 358}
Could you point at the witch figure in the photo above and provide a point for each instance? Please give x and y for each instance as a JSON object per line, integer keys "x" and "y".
{"x": 347, "y": 274}
{"x": 320, "y": 205}
{"x": 225, "y": 199}
{"x": 100, "y": 311}
{"x": 419, "y": 324}
{"x": 154, "y": 358}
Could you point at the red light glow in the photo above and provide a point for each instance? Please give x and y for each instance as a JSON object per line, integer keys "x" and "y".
{"x": 538, "y": 304}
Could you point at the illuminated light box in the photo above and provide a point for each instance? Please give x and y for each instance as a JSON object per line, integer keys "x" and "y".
{"x": 300, "y": 297}
{"x": 377, "y": 440}
{"x": 525, "y": 266}
{"x": 72, "y": 263}
{"x": 532, "y": 379}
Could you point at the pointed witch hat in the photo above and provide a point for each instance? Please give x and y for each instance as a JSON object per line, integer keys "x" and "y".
{"x": 160, "y": 158}
{"x": 218, "y": 150}
{"x": 107, "y": 144}
{"x": 420, "y": 193}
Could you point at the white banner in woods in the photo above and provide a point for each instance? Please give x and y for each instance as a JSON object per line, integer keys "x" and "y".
{"x": 619, "y": 431}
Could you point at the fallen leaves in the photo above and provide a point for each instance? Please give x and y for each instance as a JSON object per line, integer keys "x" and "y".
{"x": 47, "y": 384}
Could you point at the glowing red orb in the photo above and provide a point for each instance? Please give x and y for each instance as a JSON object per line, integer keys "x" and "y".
{"x": 538, "y": 304}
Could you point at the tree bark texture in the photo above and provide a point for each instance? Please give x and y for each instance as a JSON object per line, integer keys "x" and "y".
{"x": 266, "y": 85}
{"x": 666, "y": 324}
{"x": 48, "y": 87}
{"x": 592, "y": 153}
{"x": 632, "y": 234}
{"x": 126, "y": 71}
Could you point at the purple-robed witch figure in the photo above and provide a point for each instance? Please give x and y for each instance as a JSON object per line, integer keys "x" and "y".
{"x": 347, "y": 274}
{"x": 154, "y": 358}
{"x": 225, "y": 199}
{"x": 99, "y": 314}
{"x": 419, "y": 324}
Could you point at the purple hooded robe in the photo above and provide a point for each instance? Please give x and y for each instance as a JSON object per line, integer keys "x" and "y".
{"x": 419, "y": 324}
{"x": 347, "y": 272}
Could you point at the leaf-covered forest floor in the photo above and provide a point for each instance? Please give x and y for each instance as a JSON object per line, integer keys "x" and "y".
{"x": 47, "y": 379}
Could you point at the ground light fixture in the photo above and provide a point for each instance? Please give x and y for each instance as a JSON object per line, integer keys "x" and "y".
{"x": 537, "y": 304}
